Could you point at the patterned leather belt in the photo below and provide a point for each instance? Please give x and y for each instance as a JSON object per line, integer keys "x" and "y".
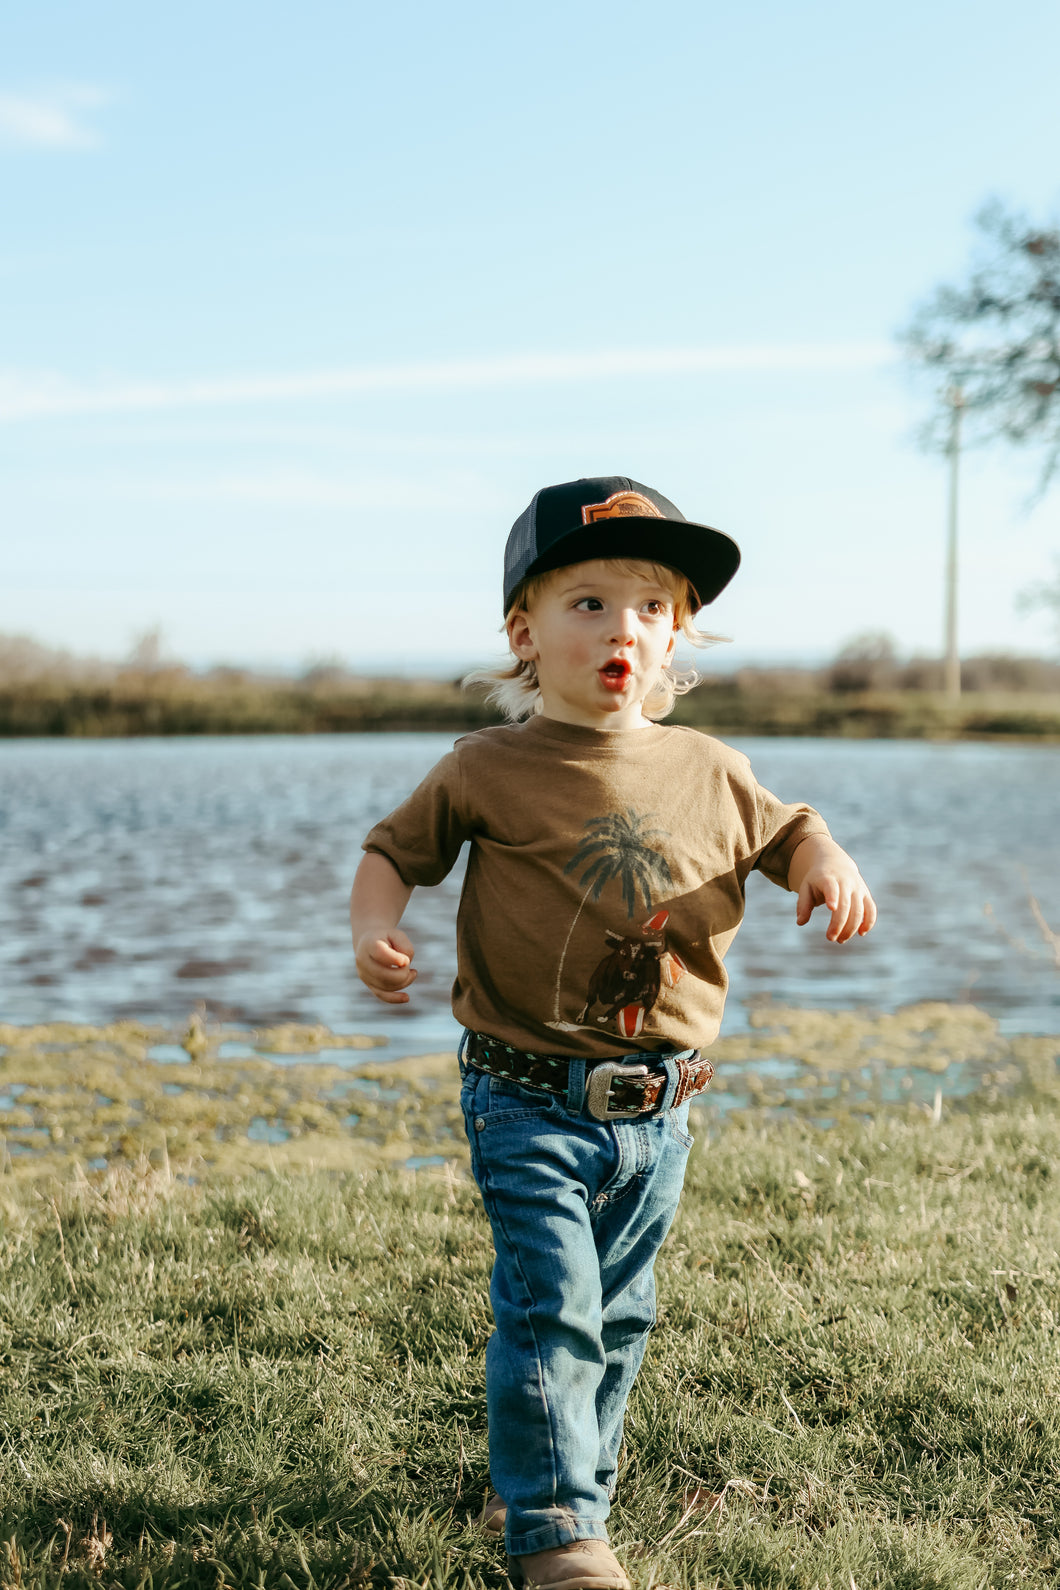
{"x": 615, "y": 1089}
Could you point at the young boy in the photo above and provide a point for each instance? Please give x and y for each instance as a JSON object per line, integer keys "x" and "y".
{"x": 605, "y": 882}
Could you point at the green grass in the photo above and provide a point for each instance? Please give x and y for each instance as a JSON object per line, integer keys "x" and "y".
{"x": 276, "y": 1379}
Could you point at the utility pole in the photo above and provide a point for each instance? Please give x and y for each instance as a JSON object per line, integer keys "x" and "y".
{"x": 952, "y": 665}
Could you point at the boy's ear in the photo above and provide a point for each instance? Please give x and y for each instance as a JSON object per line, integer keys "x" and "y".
{"x": 520, "y": 636}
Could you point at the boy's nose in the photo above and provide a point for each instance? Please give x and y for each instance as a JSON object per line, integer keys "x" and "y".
{"x": 623, "y": 629}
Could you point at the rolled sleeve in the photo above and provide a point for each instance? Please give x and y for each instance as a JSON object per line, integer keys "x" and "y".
{"x": 781, "y": 830}
{"x": 422, "y": 837}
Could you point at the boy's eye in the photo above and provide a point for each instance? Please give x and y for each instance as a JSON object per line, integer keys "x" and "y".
{"x": 655, "y": 606}
{"x": 589, "y": 604}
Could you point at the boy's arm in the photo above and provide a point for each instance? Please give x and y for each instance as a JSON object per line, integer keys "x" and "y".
{"x": 384, "y": 954}
{"x": 822, "y": 873}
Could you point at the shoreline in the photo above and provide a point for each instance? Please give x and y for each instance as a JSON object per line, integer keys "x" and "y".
{"x": 219, "y": 1099}
{"x": 178, "y": 704}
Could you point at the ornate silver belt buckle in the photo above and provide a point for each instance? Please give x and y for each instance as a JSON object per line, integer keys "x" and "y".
{"x": 598, "y": 1093}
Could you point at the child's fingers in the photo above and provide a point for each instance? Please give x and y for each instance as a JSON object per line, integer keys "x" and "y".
{"x": 390, "y": 985}
{"x": 861, "y": 916}
{"x": 852, "y": 919}
{"x": 385, "y": 956}
{"x": 384, "y": 966}
{"x": 839, "y": 905}
{"x": 392, "y": 977}
{"x": 394, "y": 953}
{"x": 396, "y": 997}
{"x": 804, "y": 905}
{"x": 868, "y": 920}
{"x": 850, "y": 905}
{"x": 812, "y": 894}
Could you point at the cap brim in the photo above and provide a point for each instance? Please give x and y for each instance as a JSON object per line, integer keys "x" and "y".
{"x": 707, "y": 558}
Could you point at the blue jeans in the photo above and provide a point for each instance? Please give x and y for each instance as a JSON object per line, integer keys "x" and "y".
{"x": 579, "y": 1209}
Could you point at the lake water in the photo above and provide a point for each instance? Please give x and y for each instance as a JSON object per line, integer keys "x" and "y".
{"x": 146, "y": 877}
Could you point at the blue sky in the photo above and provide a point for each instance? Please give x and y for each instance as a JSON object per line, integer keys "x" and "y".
{"x": 301, "y": 304}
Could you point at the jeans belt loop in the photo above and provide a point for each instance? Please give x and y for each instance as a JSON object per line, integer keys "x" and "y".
{"x": 576, "y": 1082}
{"x": 673, "y": 1080}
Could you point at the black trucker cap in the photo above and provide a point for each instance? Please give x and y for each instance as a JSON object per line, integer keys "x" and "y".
{"x": 610, "y": 516}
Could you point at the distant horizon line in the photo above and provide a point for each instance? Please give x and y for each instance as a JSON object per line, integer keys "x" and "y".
{"x": 431, "y": 667}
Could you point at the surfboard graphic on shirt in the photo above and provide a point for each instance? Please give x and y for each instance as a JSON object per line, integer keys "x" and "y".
{"x": 635, "y": 965}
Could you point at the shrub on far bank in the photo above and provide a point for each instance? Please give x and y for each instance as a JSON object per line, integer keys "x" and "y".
{"x": 867, "y": 692}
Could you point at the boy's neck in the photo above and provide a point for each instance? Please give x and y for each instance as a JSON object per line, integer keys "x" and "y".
{"x": 606, "y": 722}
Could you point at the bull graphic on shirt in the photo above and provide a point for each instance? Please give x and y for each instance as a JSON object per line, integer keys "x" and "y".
{"x": 628, "y": 980}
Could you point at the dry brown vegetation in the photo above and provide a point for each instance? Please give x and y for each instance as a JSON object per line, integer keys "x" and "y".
{"x": 867, "y": 692}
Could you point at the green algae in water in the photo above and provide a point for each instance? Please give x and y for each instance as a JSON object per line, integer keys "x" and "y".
{"x": 110, "y": 1096}
{"x": 102, "y": 1097}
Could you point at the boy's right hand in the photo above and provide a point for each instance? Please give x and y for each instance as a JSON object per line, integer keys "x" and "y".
{"x": 384, "y": 965}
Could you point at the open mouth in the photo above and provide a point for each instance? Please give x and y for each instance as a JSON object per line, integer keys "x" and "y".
{"x": 615, "y": 673}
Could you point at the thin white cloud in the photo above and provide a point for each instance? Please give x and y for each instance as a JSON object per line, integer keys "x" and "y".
{"x": 451, "y": 492}
{"x": 38, "y": 396}
{"x": 305, "y": 489}
{"x": 54, "y": 118}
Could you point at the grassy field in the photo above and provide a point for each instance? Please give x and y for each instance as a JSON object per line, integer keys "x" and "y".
{"x": 221, "y": 1377}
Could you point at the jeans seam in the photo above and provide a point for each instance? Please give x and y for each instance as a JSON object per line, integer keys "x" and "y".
{"x": 513, "y": 1250}
{"x": 632, "y": 1165}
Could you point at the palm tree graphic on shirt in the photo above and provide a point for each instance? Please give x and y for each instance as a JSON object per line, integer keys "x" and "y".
{"x": 615, "y": 847}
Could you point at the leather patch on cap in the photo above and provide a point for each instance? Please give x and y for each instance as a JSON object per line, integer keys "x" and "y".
{"x": 620, "y": 505}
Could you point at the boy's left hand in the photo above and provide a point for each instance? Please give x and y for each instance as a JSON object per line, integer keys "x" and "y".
{"x": 823, "y": 874}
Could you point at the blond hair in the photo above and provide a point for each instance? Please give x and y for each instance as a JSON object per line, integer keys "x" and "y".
{"x": 513, "y": 687}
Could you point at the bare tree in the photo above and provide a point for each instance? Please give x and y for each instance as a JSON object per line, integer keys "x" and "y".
{"x": 1046, "y": 595}
{"x": 867, "y": 662}
{"x": 996, "y": 340}
{"x": 145, "y": 654}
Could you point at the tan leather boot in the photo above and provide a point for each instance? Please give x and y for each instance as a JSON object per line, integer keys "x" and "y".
{"x": 494, "y": 1515}
{"x": 583, "y": 1565}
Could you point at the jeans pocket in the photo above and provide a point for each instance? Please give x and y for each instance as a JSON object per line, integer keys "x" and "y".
{"x": 468, "y": 1089}
{"x": 677, "y": 1122}
{"x": 510, "y": 1101}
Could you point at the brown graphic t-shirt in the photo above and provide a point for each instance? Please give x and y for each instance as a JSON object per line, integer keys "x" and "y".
{"x": 605, "y": 880}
